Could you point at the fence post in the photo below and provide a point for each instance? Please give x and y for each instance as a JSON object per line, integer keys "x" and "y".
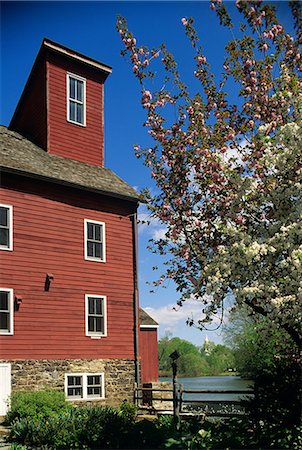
{"x": 181, "y": 388}
{"x": 174, "y": 356}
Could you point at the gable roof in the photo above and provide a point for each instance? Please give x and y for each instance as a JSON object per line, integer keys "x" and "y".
{"x": 19, "y": 155}
{"x": 146, "y": 320}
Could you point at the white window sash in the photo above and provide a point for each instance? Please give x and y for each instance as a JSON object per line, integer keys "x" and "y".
{"x": 10, "y": 228}
{"x": 103, "y": 241}
{"x": 84, "y": 377}
{"x": 69, "y": 99}
{"x": 11, "y": 311}
{"x": 95, "y": 334}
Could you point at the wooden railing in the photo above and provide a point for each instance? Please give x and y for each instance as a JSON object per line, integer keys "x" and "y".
{"x": 159, "y": 400}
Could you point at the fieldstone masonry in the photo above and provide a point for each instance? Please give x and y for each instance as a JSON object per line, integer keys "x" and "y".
{"x": 40, "y": 374}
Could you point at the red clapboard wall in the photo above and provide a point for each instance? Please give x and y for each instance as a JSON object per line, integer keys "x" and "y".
{"x": 49, "y": 238}
{"x": 149, "y": 354}
{"x": 83, "y": 144}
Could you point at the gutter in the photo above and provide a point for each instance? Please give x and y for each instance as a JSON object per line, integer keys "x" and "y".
{"x": 136, "y": 299}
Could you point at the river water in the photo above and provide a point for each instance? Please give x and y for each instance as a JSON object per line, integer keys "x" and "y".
{"x": 227, "y": 383}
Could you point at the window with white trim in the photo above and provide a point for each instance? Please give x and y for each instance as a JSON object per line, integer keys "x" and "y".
{"x": 6, "y": 311}
{"x": 96, "y": 320}
{"x": 76, "y": 99}
{"x": 6, "y": 227}
{"x": 94, "y": 240}
{"x": 84, "y": 386}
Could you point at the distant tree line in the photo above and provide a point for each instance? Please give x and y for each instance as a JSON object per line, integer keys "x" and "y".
{"x": 194, "y": 361}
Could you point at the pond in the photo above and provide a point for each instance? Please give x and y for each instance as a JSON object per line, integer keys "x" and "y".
{"x": 227, "y": 383}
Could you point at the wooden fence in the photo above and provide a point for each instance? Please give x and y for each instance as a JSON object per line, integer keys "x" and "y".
{"x": 163, "y": 400}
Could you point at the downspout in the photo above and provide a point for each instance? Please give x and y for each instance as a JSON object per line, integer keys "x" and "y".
{"x": 136, "y": 299}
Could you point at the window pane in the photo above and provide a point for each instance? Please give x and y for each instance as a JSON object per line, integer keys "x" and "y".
{"x": 90, "y": 230}
{"x": 4, "y": 321}
{"x": 91, "y": 324}
{"x": 91, "y": 305}
{"x": 79, "y": 113}
{"x": 93, "y": 380}
{"x": 89, "y": 249}
{"x": 3, "y": 216}
{"x": 80, "y": 85}
{"x": 97, "y": 232}
{"x": 93, "y": 391}
{"x": 99, "y": 324}
{"x": 72, "y": 82}
{"x": 4, "y": 301}
{"x": 99, "y": 304}
{"x": 72, "y": 111}
{"x": 74, "y": 381}
{"x": 75, "y": 392}
{"x": 4, "y": 237}
{"x": 98, "y": 250}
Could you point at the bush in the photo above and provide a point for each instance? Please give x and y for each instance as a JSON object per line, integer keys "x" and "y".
{"x": 36, "y": 403}
{"x": 84, "y": 427}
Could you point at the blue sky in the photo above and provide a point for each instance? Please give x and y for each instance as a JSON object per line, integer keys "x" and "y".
{"x": 89, "y": 27}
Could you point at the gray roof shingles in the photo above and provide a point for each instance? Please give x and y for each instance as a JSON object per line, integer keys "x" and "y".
{"x": 145, "y": 319}
{"x": 18, "y": 154}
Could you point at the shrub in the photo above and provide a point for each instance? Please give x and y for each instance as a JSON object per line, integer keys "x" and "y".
{"x": 84, "y": 427}
{"x": 36, "y": 403}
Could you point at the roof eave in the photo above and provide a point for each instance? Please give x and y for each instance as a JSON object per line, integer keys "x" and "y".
{"x": 58, "y": 48}
{"x": 70, "y": 184}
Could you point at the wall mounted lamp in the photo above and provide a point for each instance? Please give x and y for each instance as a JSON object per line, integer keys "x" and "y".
{"x": 17, "y": 302}
{"x": 48, "y": 279}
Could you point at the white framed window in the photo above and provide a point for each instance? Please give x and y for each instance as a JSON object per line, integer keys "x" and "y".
{"x": 96, "y": 315}
{"x": 6, "y": 311}
{"x": 6, "y": 227}
{"x": 94, "y": 240}
{"x": 84, "y": 386}
{"x": 76, "y": 99}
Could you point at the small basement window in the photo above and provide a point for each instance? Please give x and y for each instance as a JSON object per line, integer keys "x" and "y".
{"x": 95, "y": 307}
{"x": 76, "y": 99}
{"x": 94, "y": 237}
{"x": 84, "y": 386}
{"x": 6, "y": 311}
{"x": 6, "y": 227}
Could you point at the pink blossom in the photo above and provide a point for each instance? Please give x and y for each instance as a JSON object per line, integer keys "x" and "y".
{"x": 201, "y": 59}
{"x": 184, "y": 21}
{"x": 248, "y": 63}
{"x": 239, "y": 219}
{"x": 212, "y": 6}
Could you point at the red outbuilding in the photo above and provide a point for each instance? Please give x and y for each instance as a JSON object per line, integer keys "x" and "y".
{"x": 148, "y": 348}
{"x": 69, "y": 313}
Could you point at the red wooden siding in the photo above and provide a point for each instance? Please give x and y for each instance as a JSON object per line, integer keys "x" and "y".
{"x": 149, "y": 354}
{"x": 67, "y": 139}
{"x": 30, "y": 120}
{"x": 49, "y": 238}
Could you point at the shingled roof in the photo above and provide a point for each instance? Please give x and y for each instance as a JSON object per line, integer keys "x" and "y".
{"x": 19, "y": 155}
{"x": 146, "y": 320}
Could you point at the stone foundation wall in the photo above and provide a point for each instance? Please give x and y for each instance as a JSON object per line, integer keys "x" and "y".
{"x": 28, "y": 375}
{"x": 161, "y": 403}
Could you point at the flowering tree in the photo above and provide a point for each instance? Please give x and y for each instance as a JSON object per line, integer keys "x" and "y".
{"x": 229, "y": 176}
